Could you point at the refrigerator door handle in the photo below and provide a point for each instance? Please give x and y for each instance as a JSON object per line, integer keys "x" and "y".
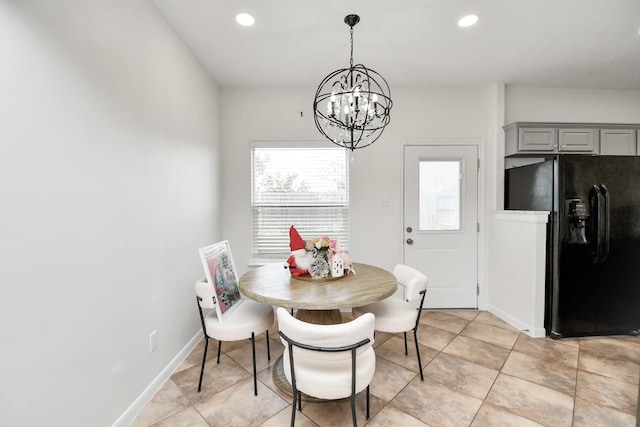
{"x": 597, "y": 222}
{"x": 601, "y": 222}
{"x": 605, "y": 223}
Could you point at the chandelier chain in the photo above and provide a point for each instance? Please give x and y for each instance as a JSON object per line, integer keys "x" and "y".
{"x": 351, "y": 56}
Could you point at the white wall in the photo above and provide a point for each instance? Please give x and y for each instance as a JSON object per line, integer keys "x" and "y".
{"x": 109, "y": 182}
{"x": 418, "y": 115}
{"x": 572, "y": 105}
{"x": 517, "y": 265}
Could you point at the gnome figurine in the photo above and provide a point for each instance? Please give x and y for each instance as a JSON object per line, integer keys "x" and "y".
{"x": 300, "y": 260}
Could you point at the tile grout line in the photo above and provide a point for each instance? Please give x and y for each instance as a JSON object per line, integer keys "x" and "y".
{"x": 494, "y": 381}
{"x": 575, "y": 388}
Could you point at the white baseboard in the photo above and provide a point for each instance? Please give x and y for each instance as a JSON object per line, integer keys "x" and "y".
{"x": 155, "y": 386}
{"x": 516, "y": 323}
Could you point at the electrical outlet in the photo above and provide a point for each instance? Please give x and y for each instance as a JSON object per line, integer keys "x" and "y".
{"x": 384, "y": 202}
{"x": 153, "y": 341}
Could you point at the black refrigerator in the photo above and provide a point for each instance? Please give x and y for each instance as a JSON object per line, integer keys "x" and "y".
{"x": 593, "y": 240}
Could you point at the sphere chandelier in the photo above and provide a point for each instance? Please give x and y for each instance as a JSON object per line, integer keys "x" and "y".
{"x": 352, "y": 105}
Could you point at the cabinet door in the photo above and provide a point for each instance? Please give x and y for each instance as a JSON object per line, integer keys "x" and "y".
{"x": 537, "y": 139}
{"x": 618, "y": 142}
{"x": 583, "y": 140}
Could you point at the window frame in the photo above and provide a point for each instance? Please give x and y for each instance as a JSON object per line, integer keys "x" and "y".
{"x": 266, "y": 257}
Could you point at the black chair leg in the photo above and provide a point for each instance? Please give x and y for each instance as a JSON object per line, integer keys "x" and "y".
{"x": 293, "y": 408}
{"x": 415, "y": 337}
{"x": 368, "y": 402}
{"x": 353, "y": 409}
{"x": 406, "y": 351}
{"x": 268, "y": 348}
{"x": 219, "y": 348}
{"x": 253, "y": 351}
{"x": 204, "y": 359}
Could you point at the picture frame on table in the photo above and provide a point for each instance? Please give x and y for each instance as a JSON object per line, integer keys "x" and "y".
{"x": 220, "y": 271}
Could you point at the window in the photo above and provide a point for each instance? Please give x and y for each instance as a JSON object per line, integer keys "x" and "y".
{"x": 304, "y": 187}
{"x": 439, "y": 195}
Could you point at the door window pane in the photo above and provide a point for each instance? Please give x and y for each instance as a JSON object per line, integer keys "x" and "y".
{"x": 439, "y": 195}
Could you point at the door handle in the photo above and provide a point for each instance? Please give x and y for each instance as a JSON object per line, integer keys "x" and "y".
{"x": 605, "y": 233}
{"x": 410, "y": 241}
{"x": 601, "y": 222}
{"x": 597, "y": 198}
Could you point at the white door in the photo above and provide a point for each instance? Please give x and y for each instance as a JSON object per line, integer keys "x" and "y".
{"x": 441, "y": 221}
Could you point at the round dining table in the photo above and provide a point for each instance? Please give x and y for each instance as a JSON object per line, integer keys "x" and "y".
{"x": 315, "y": 300}
{"x": 318, "y": 300}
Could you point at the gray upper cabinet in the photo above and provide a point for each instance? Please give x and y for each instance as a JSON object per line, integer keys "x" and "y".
{"x": 530, "y": 138}
{"x": 583, "y": 140}
{"x": 618, "y": 142}
{"x": 527, "y": 139}
{"x": 537, "y": 139}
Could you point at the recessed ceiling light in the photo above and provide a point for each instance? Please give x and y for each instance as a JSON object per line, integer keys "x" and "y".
{"x": 245, "y": 19}
{"x": 467, "y": 21}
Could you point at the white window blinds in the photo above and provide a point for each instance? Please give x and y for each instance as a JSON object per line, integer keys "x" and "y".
{"x": 304, "y": 187}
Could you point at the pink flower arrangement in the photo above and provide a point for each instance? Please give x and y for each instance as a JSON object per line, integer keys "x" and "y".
{"x": 327, "y": 248}
{"x": 321, "y": 242}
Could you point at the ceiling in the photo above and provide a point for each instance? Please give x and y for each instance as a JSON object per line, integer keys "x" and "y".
{"x": 541, "y": 43}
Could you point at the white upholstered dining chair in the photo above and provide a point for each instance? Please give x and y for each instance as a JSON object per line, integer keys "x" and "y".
{"x": 244, "y": 322}
{"x": 394, "y": 315}
{"x": 230, "y": 316}
{"x": 327, "y": 361}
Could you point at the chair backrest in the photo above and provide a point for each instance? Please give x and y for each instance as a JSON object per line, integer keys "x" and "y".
{"x": 220, "y": 291}
{"x": 319, "y": 371}
{"x": 205, "y": 293}
{"x": 413, "y": 280}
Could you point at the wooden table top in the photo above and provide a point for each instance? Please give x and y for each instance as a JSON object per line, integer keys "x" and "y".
{"x": 273, "y": 284}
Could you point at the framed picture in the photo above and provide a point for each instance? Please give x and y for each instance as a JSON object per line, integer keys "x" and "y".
{"x": 221, "y": 272}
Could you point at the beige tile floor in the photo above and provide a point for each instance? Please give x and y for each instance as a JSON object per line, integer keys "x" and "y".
{"x": 479, "y": 371}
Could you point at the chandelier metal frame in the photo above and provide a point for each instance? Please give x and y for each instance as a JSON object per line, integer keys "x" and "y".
{"x": 352, "y": 105}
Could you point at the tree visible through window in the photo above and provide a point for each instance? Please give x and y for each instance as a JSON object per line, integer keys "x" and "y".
{"x": 305, "y": 187}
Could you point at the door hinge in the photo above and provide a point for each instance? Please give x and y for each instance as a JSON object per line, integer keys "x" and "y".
{"x": 478, "y": 224}
{"x": 478, "y": 164}
{"x": 477, "y": 289}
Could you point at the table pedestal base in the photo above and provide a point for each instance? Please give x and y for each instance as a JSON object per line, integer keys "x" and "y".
{"x": 281, "y": 381}
{"x": 320, "y": 317}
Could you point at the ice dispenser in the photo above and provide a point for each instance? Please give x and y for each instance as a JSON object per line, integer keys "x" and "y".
{"x": 577, "y": 215}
